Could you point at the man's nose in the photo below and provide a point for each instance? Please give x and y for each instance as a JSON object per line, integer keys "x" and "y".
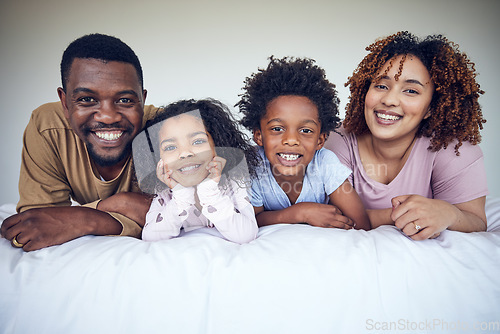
{"x": 108, "y": 113}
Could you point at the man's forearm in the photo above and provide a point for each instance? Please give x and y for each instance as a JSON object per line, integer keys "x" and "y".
{"x": 131, "y": 205}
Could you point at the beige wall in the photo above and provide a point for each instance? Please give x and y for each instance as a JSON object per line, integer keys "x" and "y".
{"x": 195, "y": 48}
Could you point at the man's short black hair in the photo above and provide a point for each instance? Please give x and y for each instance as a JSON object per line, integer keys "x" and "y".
{"x": 102, "y": 47}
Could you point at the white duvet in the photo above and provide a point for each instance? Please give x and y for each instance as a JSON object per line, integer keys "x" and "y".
{"x": 291, "y": 279}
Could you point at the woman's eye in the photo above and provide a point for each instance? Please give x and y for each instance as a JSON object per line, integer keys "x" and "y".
{"x": 380, "y": 86}
{"x": 276, "y": 128}
{"x": 411, "y": 91}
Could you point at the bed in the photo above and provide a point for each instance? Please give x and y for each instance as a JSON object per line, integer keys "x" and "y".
{"x": 291, "y": 279}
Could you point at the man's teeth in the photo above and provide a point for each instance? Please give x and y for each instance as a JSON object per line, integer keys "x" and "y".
{"x": 109, "y": 135}
{"x": 289, "y": 157}
{"x": 185, "y": 169}
{"x": 388, "y": 117}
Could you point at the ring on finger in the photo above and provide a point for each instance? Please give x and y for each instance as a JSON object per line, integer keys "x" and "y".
{"x": 17, "y": 243}
{"x": 417, "y": 227}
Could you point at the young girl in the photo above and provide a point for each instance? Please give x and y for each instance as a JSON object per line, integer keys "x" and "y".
{"x": 201, "y": 178}
{"x": 291, "y": 107}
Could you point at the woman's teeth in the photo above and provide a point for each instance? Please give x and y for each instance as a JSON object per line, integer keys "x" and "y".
{"x": 109, "y": 135}
{"x": 388, "y": 117}
{"x": 289, "y": 157}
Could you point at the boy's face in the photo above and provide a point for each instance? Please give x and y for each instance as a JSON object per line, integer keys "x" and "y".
{"x": 290, "y": 133}
{"x": 186, "y": 148}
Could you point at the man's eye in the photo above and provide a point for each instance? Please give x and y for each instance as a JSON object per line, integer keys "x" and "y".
{"x": 87, "y": 99}
{"x": 125, "y": 100}
{"x": 306, "y": 131}
{"x": 276, "y": 128}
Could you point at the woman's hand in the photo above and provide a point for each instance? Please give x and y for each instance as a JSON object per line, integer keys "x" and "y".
{"x": 422, "y": 218}
{"x": 164, "y": 174}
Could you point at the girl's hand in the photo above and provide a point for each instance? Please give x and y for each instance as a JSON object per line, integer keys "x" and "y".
{"x": 215, "y": 168}
{"x": 164, "y": 174}
{"x": 422, "y": 218}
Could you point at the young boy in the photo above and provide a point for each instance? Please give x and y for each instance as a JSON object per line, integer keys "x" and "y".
{"x": 291, "y": 107}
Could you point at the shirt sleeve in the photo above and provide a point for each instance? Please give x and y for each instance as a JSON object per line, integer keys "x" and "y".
{"x": 41, "y": 181}
{"x": 338, "y": 143}
{"x": 167, "y": 213}
{"x": 230, "y": 211}
{"x": 333, "y": 172}
{"x": 462, "y": 178}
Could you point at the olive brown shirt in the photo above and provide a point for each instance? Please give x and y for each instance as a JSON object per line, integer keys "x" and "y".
{"x": 56, "y": 167}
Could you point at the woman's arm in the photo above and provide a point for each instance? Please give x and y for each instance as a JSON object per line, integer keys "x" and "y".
{"x": 421, "y": 218}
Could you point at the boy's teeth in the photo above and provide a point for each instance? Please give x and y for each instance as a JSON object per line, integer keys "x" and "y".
{"x": 289, "y": 157}
{"x": 388, "y": 117}
{"x": 109, "y": 135}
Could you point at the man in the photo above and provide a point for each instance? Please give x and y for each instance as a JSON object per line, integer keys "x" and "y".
{"x": 80, "y": 149}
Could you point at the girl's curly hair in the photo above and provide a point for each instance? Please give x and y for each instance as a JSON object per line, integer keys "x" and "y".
{"x": 289, "y": 76}
{"x": 455, "y": 111}
{"x": 223, "y": 129}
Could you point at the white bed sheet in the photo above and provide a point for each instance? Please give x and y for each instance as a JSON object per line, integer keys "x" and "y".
{"x": 291, "y": 279}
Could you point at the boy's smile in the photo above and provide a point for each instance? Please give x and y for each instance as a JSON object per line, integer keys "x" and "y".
{"x": 290, "y": 133}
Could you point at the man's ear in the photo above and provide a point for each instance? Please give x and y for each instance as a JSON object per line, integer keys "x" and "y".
{"x": 321, "y": 140}
{"x": 62, "y": 97}
{"x": 257, "y": 137}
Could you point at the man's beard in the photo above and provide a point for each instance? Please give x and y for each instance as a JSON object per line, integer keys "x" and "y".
{"x": 107, "y": 161}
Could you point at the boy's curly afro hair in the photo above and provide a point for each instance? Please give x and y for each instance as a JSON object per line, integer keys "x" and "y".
{"x": 455, "y": 111}
{"x": 289, "y": 76}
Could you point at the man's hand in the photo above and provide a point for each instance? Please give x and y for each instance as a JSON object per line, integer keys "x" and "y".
{"x": 43, "y": 227}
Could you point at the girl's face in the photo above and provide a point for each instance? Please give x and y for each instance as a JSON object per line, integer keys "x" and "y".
{"x": 186, "y": 148}
{"x": 290, "y": 133}
{"x": 395, "y": 109}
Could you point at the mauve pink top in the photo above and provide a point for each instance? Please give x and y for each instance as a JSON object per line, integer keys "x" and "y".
{"x": 440, "y": 175}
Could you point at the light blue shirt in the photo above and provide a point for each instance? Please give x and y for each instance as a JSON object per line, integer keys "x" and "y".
{"x": 324, "y": 174}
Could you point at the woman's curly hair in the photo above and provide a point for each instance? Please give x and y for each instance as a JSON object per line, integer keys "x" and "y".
{"x": 455, "y": 111}
{"x": 289, "y": 76}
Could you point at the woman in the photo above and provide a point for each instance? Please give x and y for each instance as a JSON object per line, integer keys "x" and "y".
{"x": 410, "y": 135}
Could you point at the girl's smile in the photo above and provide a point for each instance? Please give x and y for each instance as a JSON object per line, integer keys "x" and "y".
{"x": 186, "y": 148}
